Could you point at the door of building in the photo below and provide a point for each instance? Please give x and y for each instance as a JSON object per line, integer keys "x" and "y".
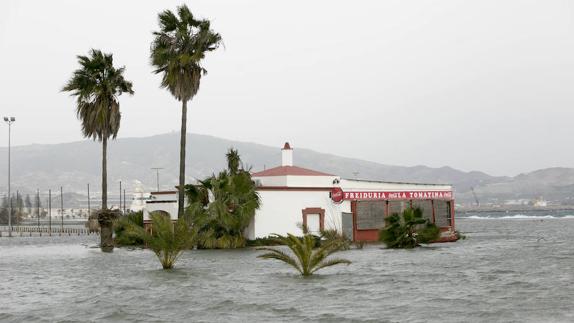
{"x": 347, "y": 224}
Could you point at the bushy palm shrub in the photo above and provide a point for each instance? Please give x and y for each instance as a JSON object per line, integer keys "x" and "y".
{"x": 166, "y": 239}
{"x": 306, "y": 258}
{"x": 408, "y": 230}
{"x": 334, "y": 236}
{"x": 123, "y": 238}
{"x": 221, "y": 207}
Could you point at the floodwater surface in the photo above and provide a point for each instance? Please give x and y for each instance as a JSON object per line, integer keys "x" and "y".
{"x": 507, "y": 270}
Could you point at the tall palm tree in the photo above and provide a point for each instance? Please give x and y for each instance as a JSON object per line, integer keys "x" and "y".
{"x": 176, "y": 52}
{"x": 97, "y": 84}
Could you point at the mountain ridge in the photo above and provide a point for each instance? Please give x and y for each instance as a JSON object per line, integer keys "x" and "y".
{"x": 74, "y": 164}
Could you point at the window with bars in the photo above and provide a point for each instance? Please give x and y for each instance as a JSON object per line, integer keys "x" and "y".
{"x": 425, "y": 206}
{"x": 370, "y": 214}
{"x": 442, "y": 213}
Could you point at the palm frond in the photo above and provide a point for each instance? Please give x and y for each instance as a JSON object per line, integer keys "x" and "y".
{"x": 280, "y": 255}
{"x": 331, "y": 262}
{"x": 177, "y": 51}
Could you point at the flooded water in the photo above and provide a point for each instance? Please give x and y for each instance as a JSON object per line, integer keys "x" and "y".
{"x": 507, "y": 270}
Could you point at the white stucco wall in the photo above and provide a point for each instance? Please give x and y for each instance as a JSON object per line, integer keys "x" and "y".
{"x": 281, "y": 212}
{"x": 310, "y": 181}
{"x": 271, "y": 180}
{"x": 296, "y": 181}
{"x": 362, "y": 185}
{"x": 161, "y": 202}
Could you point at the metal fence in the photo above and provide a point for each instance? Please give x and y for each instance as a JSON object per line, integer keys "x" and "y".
{"x": 34, "y": 231}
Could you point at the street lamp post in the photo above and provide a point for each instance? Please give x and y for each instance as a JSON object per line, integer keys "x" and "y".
{"x": 9, "y": 121}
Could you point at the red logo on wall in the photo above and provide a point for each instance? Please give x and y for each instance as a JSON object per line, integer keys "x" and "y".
{"x": 337, "y": 194}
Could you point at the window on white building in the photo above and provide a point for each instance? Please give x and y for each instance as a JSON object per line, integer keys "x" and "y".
{"x": 314, "y": 223}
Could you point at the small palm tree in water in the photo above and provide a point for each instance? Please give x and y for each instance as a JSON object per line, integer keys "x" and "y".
{"x": 307, "y": 259}
{"x": 166, "y": 239}
{"x": 409, "y": 230}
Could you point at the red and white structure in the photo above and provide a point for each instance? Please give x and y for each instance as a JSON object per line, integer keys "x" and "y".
{"x": 291, "y": 196}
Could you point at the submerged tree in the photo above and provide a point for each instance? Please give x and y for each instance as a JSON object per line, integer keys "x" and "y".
{"x": 408, "y": 230}
{"x": 97, "y": 84}
{"x": 307, "y": 259}
{"x": 176, "y": 52}
{"x": 222, "y": 207}
{"x": 166, "y": 239}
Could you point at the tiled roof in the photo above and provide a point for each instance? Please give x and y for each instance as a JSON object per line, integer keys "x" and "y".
{"x": 289, "y": 170}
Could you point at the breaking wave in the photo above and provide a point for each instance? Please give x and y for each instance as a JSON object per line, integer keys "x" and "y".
{"x": 517, "y": 217}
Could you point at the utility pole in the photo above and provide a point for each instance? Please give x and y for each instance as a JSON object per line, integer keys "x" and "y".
{"x": 62, "y": 208}
{"x": 124, "y": 201}
{"x": 18, "y": 204}
{"x": 120, "y": 205}
{"x": 157, "y": 169}
{"x": 38, "y": 207}
{"x": 50, "y": 211}
{"x": 89, "y": 210}
{"x": 9, "y": 121}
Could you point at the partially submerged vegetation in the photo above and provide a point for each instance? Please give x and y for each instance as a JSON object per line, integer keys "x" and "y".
{"x": 408, "y": 230}
{"x": 166, "y": 239}
{"x": 121, "y": 229}
{"x": 307, "y": 258}
{"x": 222, "y": 206}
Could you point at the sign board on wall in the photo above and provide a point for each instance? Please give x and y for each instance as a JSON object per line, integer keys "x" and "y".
{"x": 338, "y": 195}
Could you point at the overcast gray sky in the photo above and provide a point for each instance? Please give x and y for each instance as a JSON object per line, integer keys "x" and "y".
{"x": 476, "y": 85}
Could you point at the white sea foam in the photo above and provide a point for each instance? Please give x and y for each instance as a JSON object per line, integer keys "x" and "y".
{"x": 517, "y": 217}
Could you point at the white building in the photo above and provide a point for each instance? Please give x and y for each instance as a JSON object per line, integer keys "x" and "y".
{"x": 164, "y": 202}
{"x": 292, "y": 196}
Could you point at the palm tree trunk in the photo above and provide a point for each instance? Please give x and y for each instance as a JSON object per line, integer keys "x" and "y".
{"x": 181, "y": 187}
{"x": 105, "y": 174}
{"x": 105, "y": 216}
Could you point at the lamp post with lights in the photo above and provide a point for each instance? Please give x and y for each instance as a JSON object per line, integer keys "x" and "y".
{"x": 9, "y": 121}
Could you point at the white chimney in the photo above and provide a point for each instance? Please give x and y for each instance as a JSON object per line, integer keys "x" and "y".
{"x": 287, "y": 155}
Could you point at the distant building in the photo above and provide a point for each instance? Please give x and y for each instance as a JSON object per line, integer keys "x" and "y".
{"x": 139, "y": 198}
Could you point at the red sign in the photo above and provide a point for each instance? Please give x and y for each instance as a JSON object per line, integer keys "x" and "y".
{"x": 338, "y": 195}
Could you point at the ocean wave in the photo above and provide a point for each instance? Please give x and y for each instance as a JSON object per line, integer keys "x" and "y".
{"x": 517, "y": 217}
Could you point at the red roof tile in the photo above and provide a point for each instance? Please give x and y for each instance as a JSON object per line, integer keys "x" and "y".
{"x": 289, "y": 170}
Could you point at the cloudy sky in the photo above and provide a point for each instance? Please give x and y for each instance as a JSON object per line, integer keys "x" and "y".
{"x": 476, "y": 85}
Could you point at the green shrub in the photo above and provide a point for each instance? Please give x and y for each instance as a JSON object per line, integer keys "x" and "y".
{"x": 222, "y": 206}
{"x": 123, "y": 238}
{"x": 409, "y": 230}
{"x": 335, "y": 237}
{"x": 263, "y": 242}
